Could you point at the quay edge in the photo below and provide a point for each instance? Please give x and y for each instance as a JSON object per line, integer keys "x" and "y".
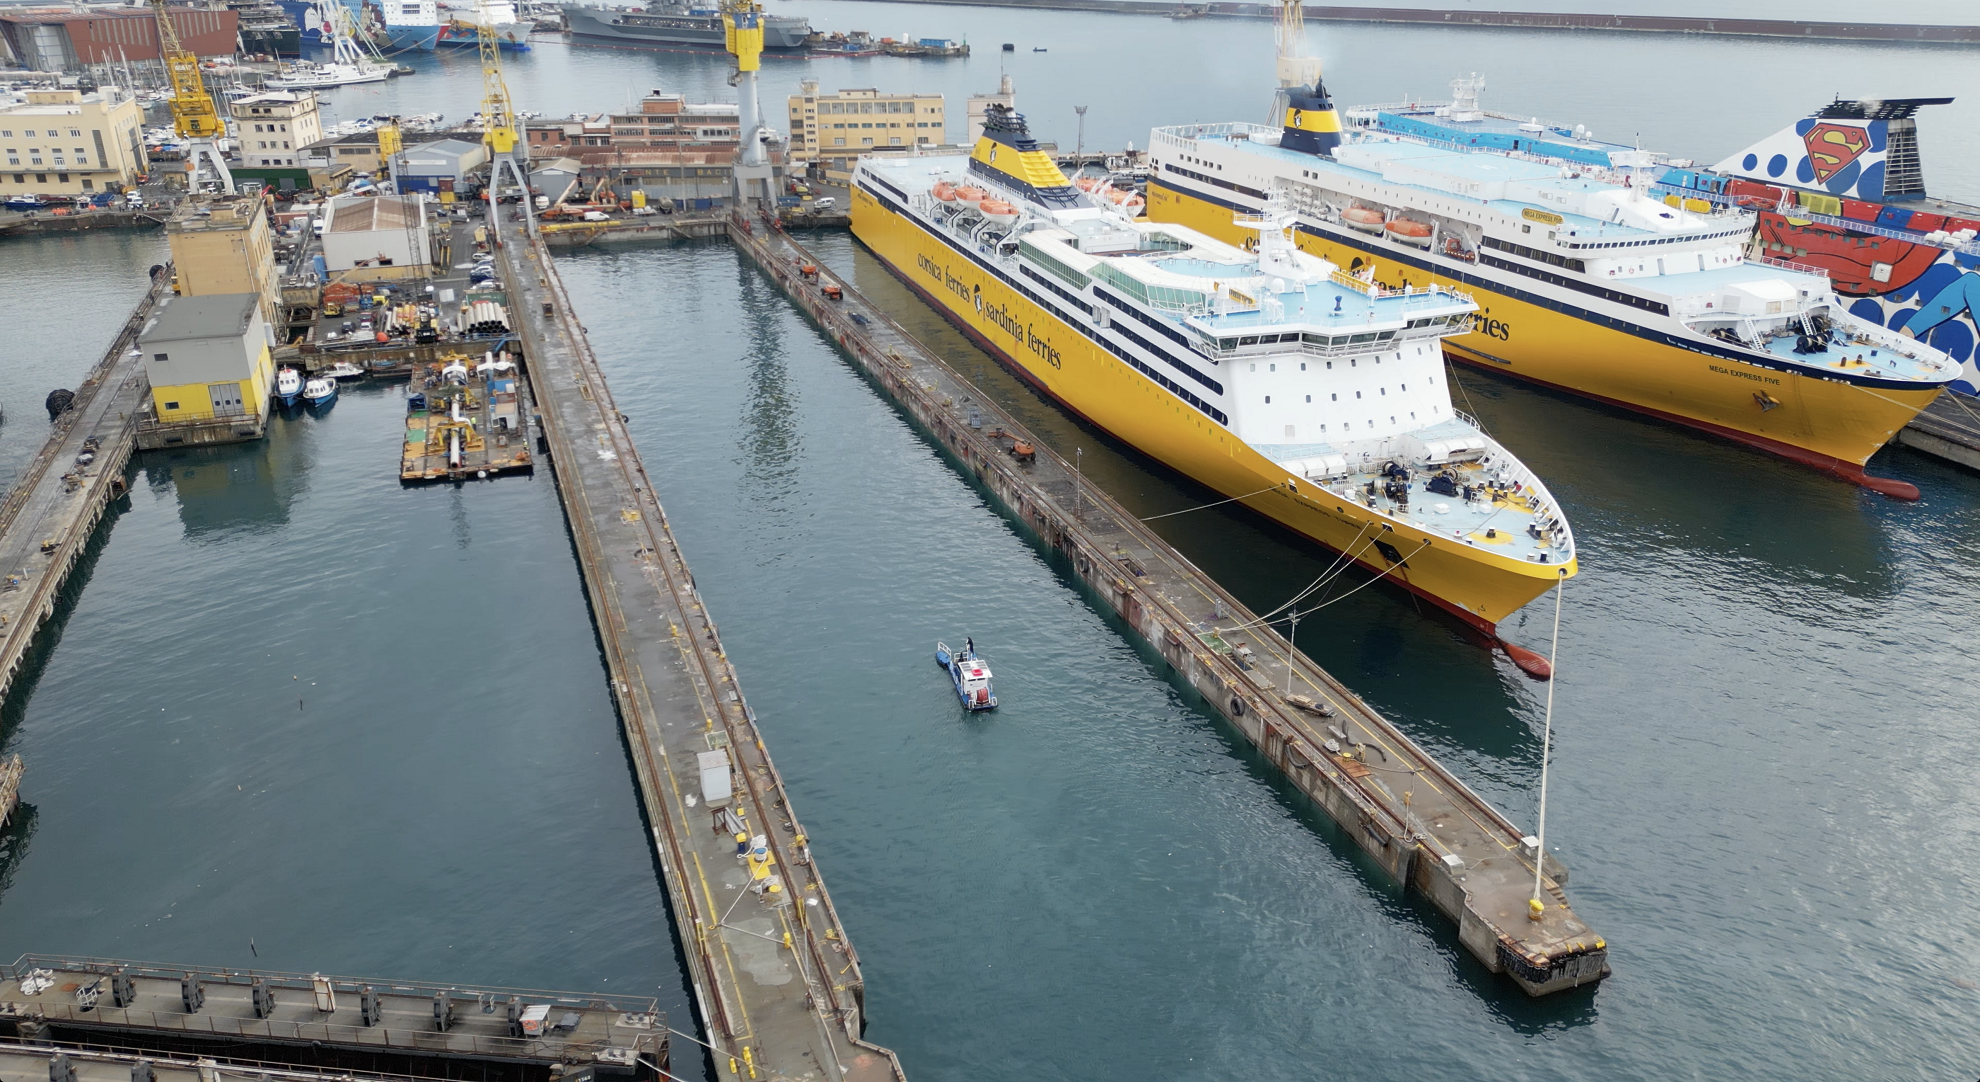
{"x": 1438, "y": 837}
{"x": 775, "y": 979}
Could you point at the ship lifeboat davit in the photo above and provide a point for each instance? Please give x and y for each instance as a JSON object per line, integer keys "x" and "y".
{"x": 970, "y": 195}
{"x": 1363, "y": 218}
{"x": 944, "y": 191}
{"x": 1409, "y": 232}
{"x": 996, "y": 210}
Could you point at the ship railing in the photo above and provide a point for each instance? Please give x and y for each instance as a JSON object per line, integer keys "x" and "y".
{"x": 1221, "y": 130}
{"x": 1789, "y": 265}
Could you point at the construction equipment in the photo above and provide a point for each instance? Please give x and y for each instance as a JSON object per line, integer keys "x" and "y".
{"x": 194, "y": 117}
{"x": 390, "y": 145}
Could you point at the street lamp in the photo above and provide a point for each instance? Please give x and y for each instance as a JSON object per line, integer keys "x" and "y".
{"x": 1079, "y": 146}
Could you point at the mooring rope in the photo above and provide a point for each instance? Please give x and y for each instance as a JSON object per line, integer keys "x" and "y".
{"x": 1538, "y": 908}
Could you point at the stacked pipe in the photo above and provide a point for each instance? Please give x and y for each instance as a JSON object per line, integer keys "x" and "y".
{"x": 484, "y": 317}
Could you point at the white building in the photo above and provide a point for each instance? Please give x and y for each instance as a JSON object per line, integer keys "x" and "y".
{"x": 274, "y": 127}
{"x": 377, "y": 237}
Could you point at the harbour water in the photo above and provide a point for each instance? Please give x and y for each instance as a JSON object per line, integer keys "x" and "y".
{"x": 1763, "y": 711}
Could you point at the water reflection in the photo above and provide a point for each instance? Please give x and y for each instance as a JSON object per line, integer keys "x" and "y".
{"x": 235, "y": 488}
{"x": 769, "y": 436}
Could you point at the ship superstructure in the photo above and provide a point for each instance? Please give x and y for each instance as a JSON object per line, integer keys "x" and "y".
{"x": 1588, "y": 280}
{"x": 676, "y": 22}
{"x": 1314, "y": 395}
{"x": 1843, "y": 190}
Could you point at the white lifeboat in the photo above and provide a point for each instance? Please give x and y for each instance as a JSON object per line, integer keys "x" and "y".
{"x": 1366, "y": 219}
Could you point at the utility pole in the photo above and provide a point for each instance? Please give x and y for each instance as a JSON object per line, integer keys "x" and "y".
{"x": 1079, "y": 146}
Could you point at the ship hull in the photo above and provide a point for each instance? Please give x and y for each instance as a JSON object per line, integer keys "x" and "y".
{"x": 1830, "y": 424}
{"x": 1479, "y": 587}
{"x": 598, "y": 25}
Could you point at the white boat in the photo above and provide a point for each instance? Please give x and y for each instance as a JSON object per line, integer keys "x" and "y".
{"x": 305, "y": 76}
{"x": 344, "y": 370}
{"x": 288, "y": 385}
{"x": 348, "y": 64}
{"x": 320, "y": 391}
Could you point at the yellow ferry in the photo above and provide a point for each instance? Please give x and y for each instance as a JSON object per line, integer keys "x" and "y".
{"x": 1588, "y": 280}
{"x": 1314, "y": 396}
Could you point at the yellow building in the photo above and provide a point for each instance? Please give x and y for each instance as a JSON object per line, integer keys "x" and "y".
{"x": 226, "y": 246}
{"x": 65, "y": 142}
{"x": 837, "y": 128}
{"x": 210, "y": 368}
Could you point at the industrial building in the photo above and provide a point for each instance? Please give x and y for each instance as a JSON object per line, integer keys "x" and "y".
{"x": 272, "y": 129}
{"x": 224, "y": 247}
{"x": 836, "y": 129}
{"x": 67, "y": 40}
{"x": 372, "y": 238}
{"x": 66, "y": 142}
{"x": 210, "y": 369}
{"x": 667, "y": 123}
{"x": 442, "y": 165}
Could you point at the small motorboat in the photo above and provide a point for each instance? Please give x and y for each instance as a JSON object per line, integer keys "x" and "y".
{"x": 288, "y": 386}
{"x": 344, "y": 370}
{"x": 971, "y": 675}
{"x": 320, "y": 391}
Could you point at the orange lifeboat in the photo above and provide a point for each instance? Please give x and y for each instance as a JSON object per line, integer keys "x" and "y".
{"x": 945, "y": 191}
{"x": 1085, "y": 183}
{"x": 1410, "y": 232}
{"x": 1366, "y": 219}
{"x": 1133, "y": 204}
{"x": 970, "y": 195}
{"x": 998, "y": 211}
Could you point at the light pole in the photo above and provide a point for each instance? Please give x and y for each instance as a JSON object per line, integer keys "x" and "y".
{"x": 1079, "y": 145}
{"x": 1292, "y": 651}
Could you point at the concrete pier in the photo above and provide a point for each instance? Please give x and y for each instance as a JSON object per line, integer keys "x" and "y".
{"x": 1409, "y": 814}
{"x": 308, "y": 1020}
{"x": 1949, "y": 428}
{"x": 54, "y": 505}
{"x": 775, "y": 978}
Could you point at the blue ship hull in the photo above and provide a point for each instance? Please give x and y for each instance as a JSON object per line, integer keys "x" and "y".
{"x": 398, "y": 39}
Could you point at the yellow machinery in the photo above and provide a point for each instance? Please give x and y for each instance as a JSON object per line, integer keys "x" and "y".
{"x": 194, "y": 117}
{"x": 499, "y": 130}
{"x": 742, "y": 35}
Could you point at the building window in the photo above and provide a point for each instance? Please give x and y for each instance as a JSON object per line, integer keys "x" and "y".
{"x": 89, "y": 185}
{"x": 61, "y": 178}
{"x": 171, "y": 405}
{"x": 161, "y": 358}
{"x": 74, "y": 133}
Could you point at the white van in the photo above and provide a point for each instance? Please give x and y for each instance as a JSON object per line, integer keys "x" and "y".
{"x": 826, "y": 203}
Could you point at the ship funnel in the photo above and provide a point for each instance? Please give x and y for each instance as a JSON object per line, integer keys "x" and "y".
{"x": 1311, "y": 124}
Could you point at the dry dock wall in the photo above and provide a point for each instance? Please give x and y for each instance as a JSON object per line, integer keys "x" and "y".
{"x": 1408, "y": 814}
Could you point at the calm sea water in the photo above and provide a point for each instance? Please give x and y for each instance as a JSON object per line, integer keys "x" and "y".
{"x": 1762, "y": 775}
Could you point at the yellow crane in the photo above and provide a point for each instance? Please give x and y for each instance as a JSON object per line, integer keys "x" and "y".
{"x": 499, "y": 131}
{"x": 194, "y": 117}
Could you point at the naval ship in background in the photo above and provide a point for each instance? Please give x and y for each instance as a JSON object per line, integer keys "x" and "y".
{"x": 1268, "y": 374}
{"x": 1591, "y": 276}
{"x": 664, "y": 25}
{"x": 393, "y": 26}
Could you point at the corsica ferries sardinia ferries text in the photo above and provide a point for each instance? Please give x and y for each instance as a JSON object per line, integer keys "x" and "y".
{"x": 1589, "y": 280}
{"x": 1314, "y": 396}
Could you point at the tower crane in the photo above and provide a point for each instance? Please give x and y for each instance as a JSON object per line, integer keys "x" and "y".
{"x": 193, "y": 116}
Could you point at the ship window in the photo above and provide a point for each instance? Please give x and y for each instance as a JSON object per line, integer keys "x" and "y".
{"x": 1336, "y": 398}
{"x": 1357, "y": 395}
{"x": 1268, "y": 399}
{"x": 1271, "y": 368}
{"x": 1385, "y": 392}
{"x": 1248, "y": 340}
{"x": 1309, "y": 398}
{"x": 1302, "y": 366}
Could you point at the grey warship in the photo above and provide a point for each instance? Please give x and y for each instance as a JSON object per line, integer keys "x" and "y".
{"x": 660, "y": 25}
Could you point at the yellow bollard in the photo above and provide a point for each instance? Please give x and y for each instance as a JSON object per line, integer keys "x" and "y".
{"x": 749, "y": 1061}
{"x": 787, "y": 943}
{"x": 1535, "y": 910}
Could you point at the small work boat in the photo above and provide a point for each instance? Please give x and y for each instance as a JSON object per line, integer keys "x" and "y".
{"x": 971, "y": 675}
{"x": 288, "y": 386}
{"x": 320, "y": 392}
{"x": 343, "y": 370}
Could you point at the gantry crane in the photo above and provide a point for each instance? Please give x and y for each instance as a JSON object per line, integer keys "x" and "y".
{"x": 193, "y": 115}
{"x": 742, "y": 32}
{"x": 499, "y": 131}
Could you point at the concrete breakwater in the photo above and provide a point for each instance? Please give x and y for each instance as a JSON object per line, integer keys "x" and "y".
{"x": 1796, "y": 29}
